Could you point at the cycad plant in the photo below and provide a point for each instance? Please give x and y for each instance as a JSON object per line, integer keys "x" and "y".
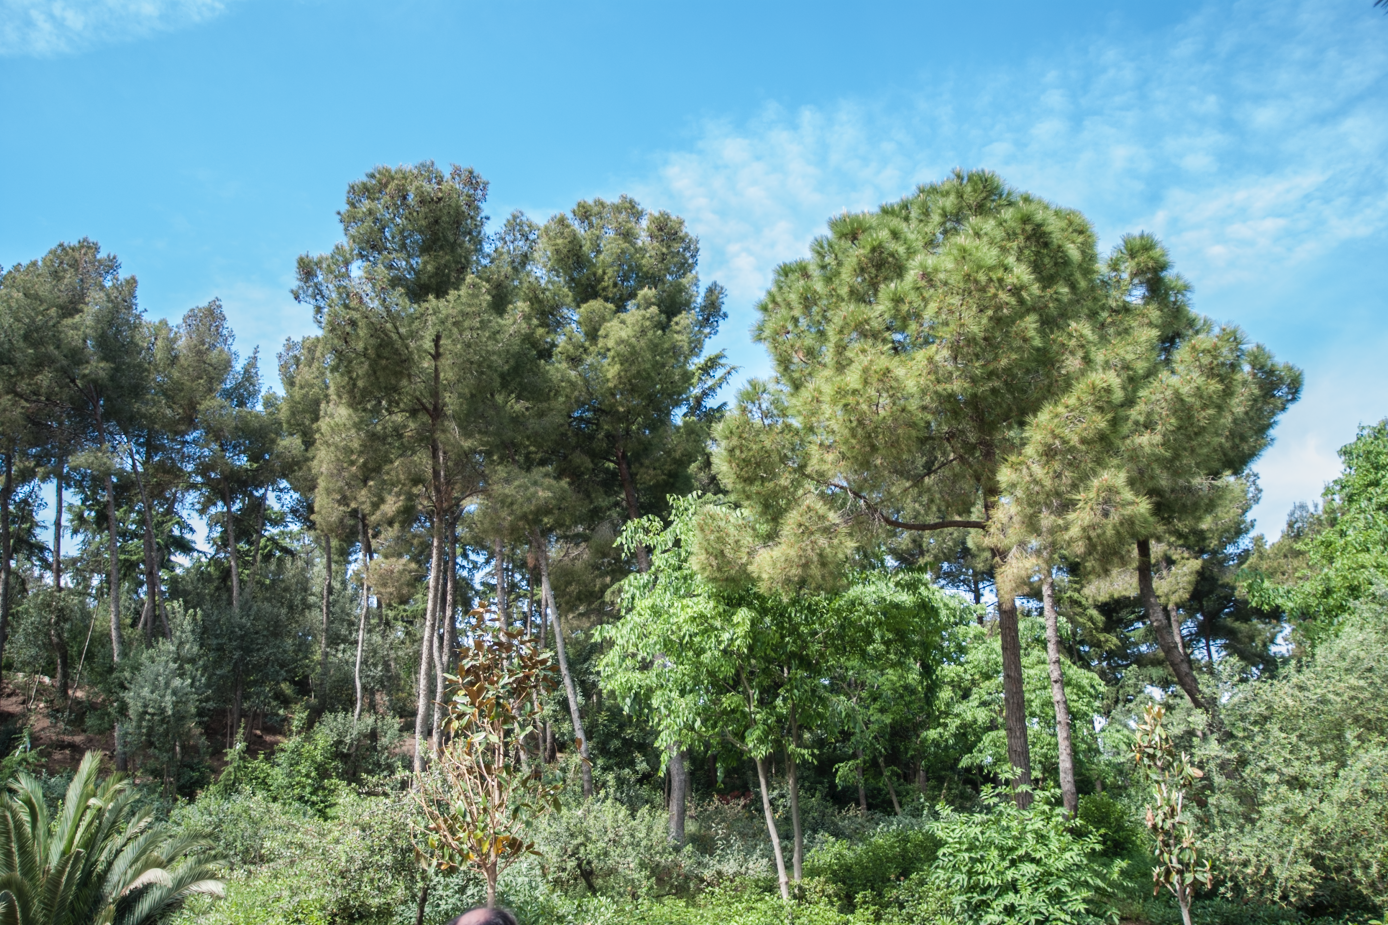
{"x": 101, "y": 861}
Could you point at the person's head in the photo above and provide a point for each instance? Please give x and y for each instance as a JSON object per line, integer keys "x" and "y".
{"x": 484, "y": 916}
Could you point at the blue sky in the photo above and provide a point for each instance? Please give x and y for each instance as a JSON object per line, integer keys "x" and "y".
{"x": 209, "y": 142}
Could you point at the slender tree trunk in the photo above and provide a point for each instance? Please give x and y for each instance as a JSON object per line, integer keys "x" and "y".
{"x": 154, "y": 591}
{"x": 891, "y": 788}
{"x": 1161, "y": 626}
{"x": 238, "y": 694}
{"x": 499, "y": 572}
{"x": 56, "y": 638}
{"x": 1014, "y": 702}
{"x": 862, "y": 791}
{"x": 570, "y": 689}
{"x": 443, "y": 639}
{"x": 426, "y": 646}
{"x": 259, "y": 535}
{"x": 1183, "y": 900}
{"x": 771, "y": 829}
{"x": 1068, "y": 792}
{"x": 643, "y": 556}
{"x": 365, "y": 609}
{"x": 797, "y": 843}
{"x": 6, "y": 551}
{"x": 327, "y": 608}
{"x": 232, "y": 553}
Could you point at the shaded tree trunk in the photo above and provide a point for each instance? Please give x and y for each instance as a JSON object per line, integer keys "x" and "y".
{"x": 862, "y": 791}
{"x": 443, "y": 639}
{"x": 570, "y": 689}
{"x": 154, "y": 589}
{"x": 891, "y": 788}
{"x": 1014, "y": 702}
{"x": 327, "y": 608}
{"x": 643, "y": 556}
{"x": 1161, "y": 626}
{"x": 1068, "y": 792}
{"x": 679, "y": 792}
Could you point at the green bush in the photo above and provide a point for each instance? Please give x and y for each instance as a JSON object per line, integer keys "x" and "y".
{"x": 1114, "y": 824}
{"x": 875, "y": 866}
{"x": 1007, "y": 866}
{"x": 316, "y": 767}
{"x": 354, "y": 864}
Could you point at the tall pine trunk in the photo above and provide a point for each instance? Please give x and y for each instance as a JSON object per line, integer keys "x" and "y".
{"x": 1014, "y": 702}
{"x": 233, "y": 555}
{"x": 327, "y": 608}
{"x": 154, "y": 590}
{"x": 570, "y": 689}
{"x": 426, "y": 645}
{"x": 56, "y": 638}
{"x": 443, "y": 638}
{"x": 1161, "y": 627}
{"x": 365, "y": 609}
{"x": 6, "y": 551}
{"x": 1068, "y": 792}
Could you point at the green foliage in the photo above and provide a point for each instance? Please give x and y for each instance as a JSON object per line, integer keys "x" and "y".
{"x": 100, "y": 859}
{"x": 316, "y": 767}
{"x": 872, "y": 868}
{"x": 354, "y": 864}
{"x": 1008, "y": 866}
{"x": 1345, "y": 548}
{"x": 1299, "y": 808}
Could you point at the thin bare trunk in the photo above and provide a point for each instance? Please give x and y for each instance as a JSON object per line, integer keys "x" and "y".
{"x": 499, "y": 572}
{"x": 154, "y": 589}
{"x": 891, "y": 788}
{"x": 1014, "y": 702}
{"x": 570, "y": 689}
{"x": 862, "y": 791}
{"x": 1161, "y": 627}
{"x": 771, "y": 831}
{"x": 426, "y": 645}
{"x": 232, "y": 553}
{"x": 797, "y": 842}
{"x": 6, "y": 552}
{"x": 56, "y": 638}
{"x": 1068, "y": 792}
{"x": 443, "y": 639}
{"x": 259, "y": 535}
{"x": 365, "y": 609}
{"x": 323, "y": 630}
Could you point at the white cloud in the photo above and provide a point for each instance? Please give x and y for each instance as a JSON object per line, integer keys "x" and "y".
{"x": 1253, "y": 139}
{"x": 44, "y": 28}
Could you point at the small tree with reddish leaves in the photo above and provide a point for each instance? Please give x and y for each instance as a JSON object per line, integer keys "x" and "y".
{"x": 483, "y": 789}
{"x": 1171, "y": 779}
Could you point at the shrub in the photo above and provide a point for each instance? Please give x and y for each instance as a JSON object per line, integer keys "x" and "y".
{"x": 869, "y": 870}
{"x": 1007, "y": 866}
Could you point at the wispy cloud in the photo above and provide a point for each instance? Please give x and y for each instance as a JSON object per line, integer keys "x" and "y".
{"x": 1253, "y": 139}
{"x": 45, "y": 28}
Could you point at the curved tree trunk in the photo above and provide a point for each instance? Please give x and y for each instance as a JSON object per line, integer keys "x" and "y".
{"x": 426, "y": 645}
{"x": 1068, "y": 792}
{"x": 1157, "y": 618}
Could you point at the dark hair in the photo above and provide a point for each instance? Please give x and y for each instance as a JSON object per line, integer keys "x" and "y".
{"x": 487, "y": 917}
